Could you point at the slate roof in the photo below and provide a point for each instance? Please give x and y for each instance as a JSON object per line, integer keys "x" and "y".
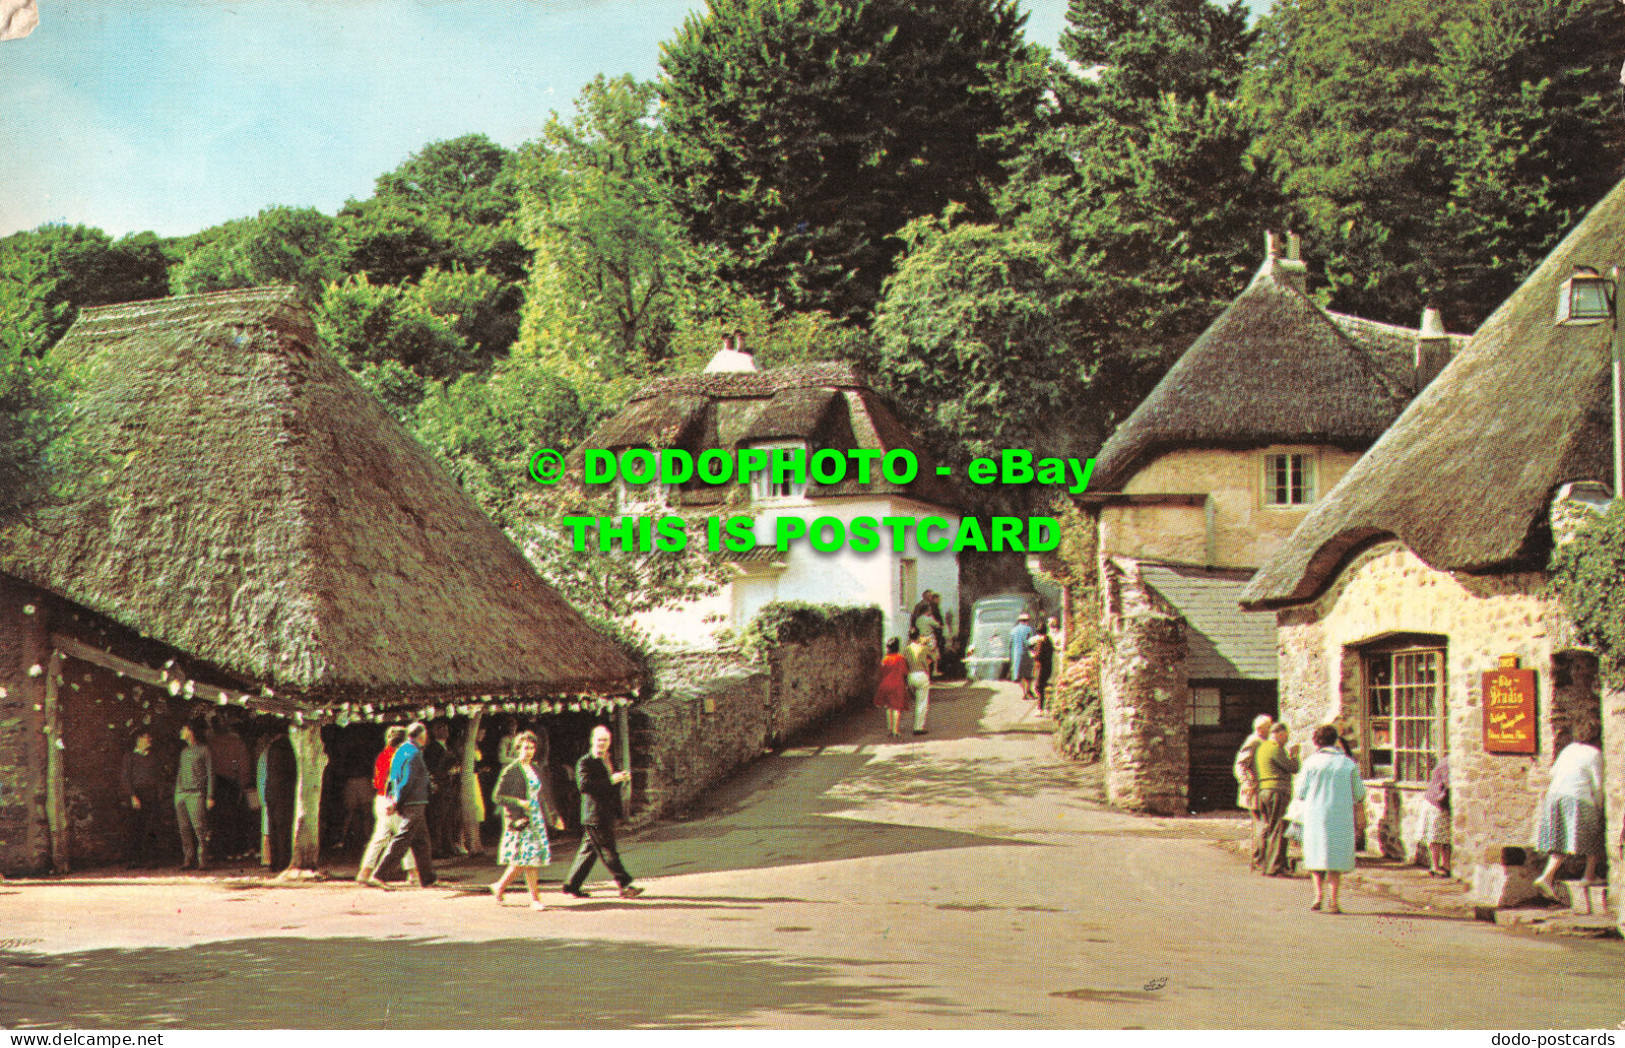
{"x": 1224, "y": 641}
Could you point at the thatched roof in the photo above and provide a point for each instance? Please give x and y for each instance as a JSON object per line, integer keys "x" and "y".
{"x": 1274, "y": 368}
{"x": 255, "y": 508}
{"x": 827, "y": 404}
{"x": 1465, "y": 476}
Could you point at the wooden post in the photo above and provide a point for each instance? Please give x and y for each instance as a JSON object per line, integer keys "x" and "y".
{"x": 311, "y": 760}
{"x": 56, "y": 795}
{"x": 623, "y": 728}
{"x": 473, "y": 803}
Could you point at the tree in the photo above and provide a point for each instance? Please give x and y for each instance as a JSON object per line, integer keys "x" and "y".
{"x": 973, "y": 348}
{"x": 610, "y": 261}
{"x": 1131, "y": 218}
{"x": 454, "y": 203}
{"x": 78, "y": 266}
{"x": 396, "y": 336}
{"x": 808, "y": 132}
{"x": 1586, "y": 577}
{"x": 281, "y": 245}
{"x": 1434, "y": 149}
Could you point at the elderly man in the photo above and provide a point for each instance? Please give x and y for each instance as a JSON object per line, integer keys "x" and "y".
{"x": 1277, "y": 763}
{"x": 1246, "y": 769}
{"x": 600, "y": 786}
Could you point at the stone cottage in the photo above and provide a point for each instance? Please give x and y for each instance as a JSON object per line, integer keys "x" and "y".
{"x": 1260, "y": 417}
{"x": 1411, "y": 603}
{"x": 807, "y": 408}
{"x": 250, "y": 529}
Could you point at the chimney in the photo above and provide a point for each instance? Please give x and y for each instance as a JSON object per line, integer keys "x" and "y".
{"x": 732, "y": 356}
{"x": 1288, "y": 270}
{"x": 1433, "y": 348}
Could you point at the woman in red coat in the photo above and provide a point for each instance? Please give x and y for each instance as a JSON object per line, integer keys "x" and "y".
{"x": 892, "y": 692}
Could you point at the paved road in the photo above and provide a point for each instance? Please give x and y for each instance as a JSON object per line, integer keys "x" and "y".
{"x": 968, "y": 879}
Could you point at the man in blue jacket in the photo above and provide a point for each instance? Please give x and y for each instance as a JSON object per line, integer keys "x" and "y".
{"x": 408, "y": 793}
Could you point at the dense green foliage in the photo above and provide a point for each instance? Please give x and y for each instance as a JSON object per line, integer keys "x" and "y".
{"x": 1435, "y": 149}
{"x": 1589, "y": 578}
{"x": 807, "y": 132}
{"x": 60, "y": 269}
{"x": 610, "y": 263}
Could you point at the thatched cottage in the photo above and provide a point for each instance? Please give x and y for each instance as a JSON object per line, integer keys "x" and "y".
{"x": 826, "y": 405}
{"x": 251, "y": 529}
{"x": 1411, "y": 602}
{"x": 1265, "y": 412}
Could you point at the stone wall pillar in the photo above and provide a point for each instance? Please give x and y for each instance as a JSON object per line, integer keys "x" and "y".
{"x": 1145, "y": 699}
{"x": 1613, "y": 756}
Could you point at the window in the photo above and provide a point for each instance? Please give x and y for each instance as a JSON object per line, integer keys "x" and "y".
{"x": 1404, "y": 703}
{"x": 1206, "y": 707}
{"x": 1289, "y": 479}
{"x": 642, "y": 498}
{"x": 908, "y": 583}
{"x": 794, "y": 483}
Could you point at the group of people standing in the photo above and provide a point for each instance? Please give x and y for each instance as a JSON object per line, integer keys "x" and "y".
{"x": 523, "y": 792}
{"x": 224, "y": 801}
{"x": 1320, "y": 801}
{"x": 1032, "y": 656}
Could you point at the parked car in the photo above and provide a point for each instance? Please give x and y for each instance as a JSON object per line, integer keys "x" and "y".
{"x": 987, "y": 657}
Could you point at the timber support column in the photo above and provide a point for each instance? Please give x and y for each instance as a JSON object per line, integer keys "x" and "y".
{"x": 311, "y": 760}
{"x": 56, "y": 786}
{"x": 473, "y": 803}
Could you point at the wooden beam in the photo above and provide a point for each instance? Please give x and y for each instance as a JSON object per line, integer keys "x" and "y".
{"x": 56, "y": 796}
{"x": 176, "y": 683}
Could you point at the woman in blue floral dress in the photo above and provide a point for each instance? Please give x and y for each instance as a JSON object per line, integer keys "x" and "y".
{"x": 525, "y": 794}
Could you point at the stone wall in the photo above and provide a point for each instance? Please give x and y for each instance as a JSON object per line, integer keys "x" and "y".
{"x": 25, "y": 844}
{"x": 712, "y": 713}
{"x": 709, "y": 716}
{"x": 815, "y": 677}
{"x": 1387, "y": 590}
{"x": 1145, "y": 699}
{"x": 1245, "y": 531}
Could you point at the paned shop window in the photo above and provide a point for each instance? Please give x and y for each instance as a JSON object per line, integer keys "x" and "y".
{"x": 1404, "y": 706}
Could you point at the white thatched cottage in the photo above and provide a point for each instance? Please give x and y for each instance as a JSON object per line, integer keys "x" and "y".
{"x": 810, "y": 407}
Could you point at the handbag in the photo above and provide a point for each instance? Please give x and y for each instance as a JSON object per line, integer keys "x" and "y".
{"x": 1294, "y": 819}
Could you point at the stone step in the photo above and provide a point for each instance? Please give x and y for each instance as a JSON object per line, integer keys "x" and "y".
{"x": 1573, "y": 894}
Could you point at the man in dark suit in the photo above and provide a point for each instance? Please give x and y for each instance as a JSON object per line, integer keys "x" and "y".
{"x": 600, "y": 787}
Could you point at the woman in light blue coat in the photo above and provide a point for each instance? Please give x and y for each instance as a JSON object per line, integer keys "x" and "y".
{"x": 1329, "y": 792}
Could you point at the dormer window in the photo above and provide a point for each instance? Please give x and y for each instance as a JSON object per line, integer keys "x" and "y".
{"x": 791, "y": 483}
{"x": 643, "y": 498}
{"x": 1289, "y": 478}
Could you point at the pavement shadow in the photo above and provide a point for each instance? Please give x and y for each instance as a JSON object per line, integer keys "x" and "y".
{"x": 519, "y": 983}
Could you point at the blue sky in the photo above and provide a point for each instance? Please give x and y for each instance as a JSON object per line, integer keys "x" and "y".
{"x": 173, "y": 115}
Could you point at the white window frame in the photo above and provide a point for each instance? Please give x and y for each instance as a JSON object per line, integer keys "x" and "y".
{"x": 1300, "y": 484}
{"x": 1402, "y": 707}
{"x": 762, "y": 488}
{"x": 908, "y": 583}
